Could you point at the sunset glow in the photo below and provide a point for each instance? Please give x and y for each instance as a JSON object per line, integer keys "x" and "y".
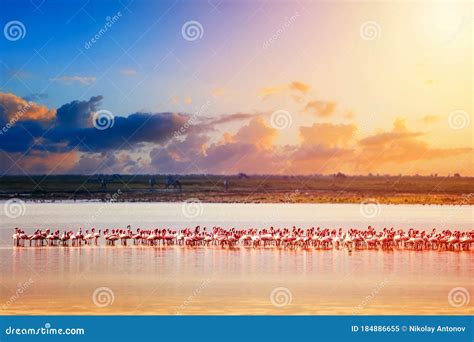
{"x": 291, "y": 88}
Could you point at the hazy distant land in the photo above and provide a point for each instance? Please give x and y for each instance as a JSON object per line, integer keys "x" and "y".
{"x": 243, "y": 188}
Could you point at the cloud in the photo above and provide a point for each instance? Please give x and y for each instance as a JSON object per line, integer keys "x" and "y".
{"x": 77, "y": 113}
{"x": 321, "y": 109}
{"x": 71, "y": 127}
{"x": 128, "y": 72}
{"x": 46, "y": 140}
{"x": 327, "y": 134}
{"x": 37, "y": 162}
{"x": 15, "y": 108}
{"x": 264, "y": 93}
{"x": 300, "y": 87}
{"x": 227, "y": 118}
{"x": 83, "y": 80}
{"x": 250, "y": 149}
{"x": 399, "y": 146}
{"x": 429, "y": 119}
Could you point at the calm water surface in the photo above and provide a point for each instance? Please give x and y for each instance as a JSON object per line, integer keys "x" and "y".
{"x": 178, "y": 280}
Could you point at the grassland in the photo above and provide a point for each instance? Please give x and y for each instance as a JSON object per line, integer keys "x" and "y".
{"x": 255, "y": 189}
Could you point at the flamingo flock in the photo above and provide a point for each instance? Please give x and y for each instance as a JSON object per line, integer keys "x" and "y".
{"x": 319, "y": 238}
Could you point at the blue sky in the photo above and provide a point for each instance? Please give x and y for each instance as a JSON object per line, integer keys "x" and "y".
{"x": 346, "y": 73}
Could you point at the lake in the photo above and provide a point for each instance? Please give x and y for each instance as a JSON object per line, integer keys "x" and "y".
{"x": 242, "y": 280}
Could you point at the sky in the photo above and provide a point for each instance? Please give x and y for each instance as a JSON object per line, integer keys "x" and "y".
{"x": 221, "y": 87}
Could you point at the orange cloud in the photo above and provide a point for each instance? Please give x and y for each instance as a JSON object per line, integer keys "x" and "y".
{"x": 327, "y": 134}
{"x": 54, "y": 163}
{"x": 298, "y": 86}
{"x": 266, "y": 92}
{"x": 257, "y": 133}
{"x": 321, "y": 108}
{"x": 13, "y": 107}
{"x": 429, "y": 119}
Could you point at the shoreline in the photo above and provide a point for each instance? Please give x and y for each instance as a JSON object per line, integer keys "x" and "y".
{"x": 281, "y": 197}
